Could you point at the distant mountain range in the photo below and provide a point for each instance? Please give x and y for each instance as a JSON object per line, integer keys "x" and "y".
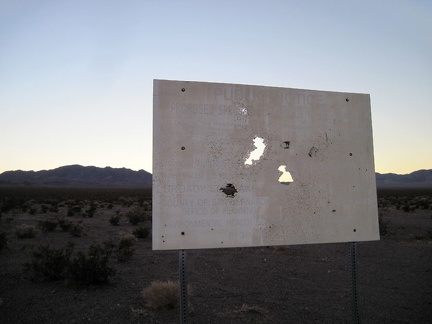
{"x": 77, "y": 176}
{"x": 94, "y": 177}
{"x": 416, "y": 179}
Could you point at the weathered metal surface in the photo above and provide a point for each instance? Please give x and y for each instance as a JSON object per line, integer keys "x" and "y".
{"x": 219, "y": 151}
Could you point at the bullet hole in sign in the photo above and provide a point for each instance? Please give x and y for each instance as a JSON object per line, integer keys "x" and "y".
{"x": 285, "y": 177}
{"x": 229, "y": 190}
{"x": 313, "y": 151}
{"x": 183, "y": 89}
{"x": 257, "y": 153}
{"x": 183, "y": 148}
{"x": 182, "y": 233}
{"x": 286, "y": 145}
{"x": 243, "y": 111}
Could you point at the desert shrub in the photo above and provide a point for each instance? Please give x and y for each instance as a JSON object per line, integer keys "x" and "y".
{"x": 383, "y": 224}
{"x": 126, "y": 247}
{"x": 424, "y": 204}
{"x": 65, "y": 224}
{"x": 53, "y": 208}
{"x": 3, "y": 240}
{"x": 135, "y": 216}
{"x": 149, "y": 216}
{"x": 72, "y": 210}
{"x": 92, "y": 210}
{"x": 90, "y": 213}
{"x": 127, "y": 201}
{"x": 48, "y": 225}
{"x": 147, "y": 206}
{"x": 253, "y": 309}
{"x": 49, "y": 263}
{"x": 91, "y": 268}
{"x": 425, "y": 236}
{"x": 141, "y": 232}
{"x": 44, "y": 208}
{"x": 32, "y": 210}
{"x": 406, "y": 208}
{"x": 109, "y": 206}
{"x": 76, "y": 229}
{"x": 114, "y": 220}
{"x": 162, "y": 294}
{"x": 26, "y": 231}
{"x": 109, "y": 247}
{"x": 9, "y": 203}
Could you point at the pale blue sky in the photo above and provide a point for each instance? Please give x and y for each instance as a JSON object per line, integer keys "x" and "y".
{"x": 76, "y": 76}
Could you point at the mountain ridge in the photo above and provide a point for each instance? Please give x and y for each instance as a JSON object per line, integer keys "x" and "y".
{"x": 78, "y": 176}
{"x": 95, "y": 177}
{"x": 417, "y": 179}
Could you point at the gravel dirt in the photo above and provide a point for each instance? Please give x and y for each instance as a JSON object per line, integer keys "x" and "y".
{"x": 294, "y": 284}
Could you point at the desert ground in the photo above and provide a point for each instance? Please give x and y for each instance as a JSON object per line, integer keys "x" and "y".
{"x": 285, "y": 284}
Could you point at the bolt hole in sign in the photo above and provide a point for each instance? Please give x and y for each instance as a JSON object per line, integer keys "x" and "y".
{"x": 260, "y": 166}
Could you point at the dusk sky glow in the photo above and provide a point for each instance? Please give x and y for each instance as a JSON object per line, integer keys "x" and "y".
{"x": 76, "y": 77}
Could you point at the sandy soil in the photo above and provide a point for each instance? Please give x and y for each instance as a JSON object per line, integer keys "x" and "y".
{"x": 295, "y": 284}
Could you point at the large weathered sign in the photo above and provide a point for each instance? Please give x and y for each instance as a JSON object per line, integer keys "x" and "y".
{"x": 240, "y": 165}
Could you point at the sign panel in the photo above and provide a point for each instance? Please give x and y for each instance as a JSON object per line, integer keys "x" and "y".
{"x": 240, "y": 165}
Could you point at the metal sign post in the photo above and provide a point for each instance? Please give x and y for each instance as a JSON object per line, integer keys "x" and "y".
{"x": 183, "y": 287}
{"x": 353, "y": 279}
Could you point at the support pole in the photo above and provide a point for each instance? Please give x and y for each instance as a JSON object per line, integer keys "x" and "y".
{"x": 353, "y": 279}
{"x": 183, "y": 287}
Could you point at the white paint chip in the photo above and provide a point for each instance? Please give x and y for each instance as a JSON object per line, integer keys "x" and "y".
{"x": 257, "y": 153}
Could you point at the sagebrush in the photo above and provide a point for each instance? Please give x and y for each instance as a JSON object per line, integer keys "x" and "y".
{"x": 114, "y": 220}
{"x": 48, "y": 225}
{"x": 162, "y": 294}
{"x": 141, "y": 232}
{"x": 126, "y": 247}
{"x": 135, "y": 216}
{"x": 49, "y": 263}
{"x": 3, "y": 240}
{"x": 91, "y": 268}
{"x": 26, "y": 231}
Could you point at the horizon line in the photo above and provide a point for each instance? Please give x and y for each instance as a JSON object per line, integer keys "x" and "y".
{"x": 135, "y": 170}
